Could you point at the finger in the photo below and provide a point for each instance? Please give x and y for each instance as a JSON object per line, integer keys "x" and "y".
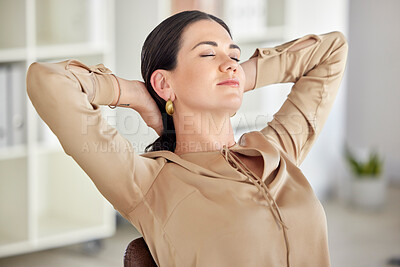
{"x": 158, "y": 128}
{"x": 154, "y": 121}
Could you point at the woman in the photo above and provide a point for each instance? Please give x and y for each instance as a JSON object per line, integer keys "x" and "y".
{"x": 198, "y": 197}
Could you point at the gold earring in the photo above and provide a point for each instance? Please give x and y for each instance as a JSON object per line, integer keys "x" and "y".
{"x": 169, "y": 107}
{"x": 233, "y": 114}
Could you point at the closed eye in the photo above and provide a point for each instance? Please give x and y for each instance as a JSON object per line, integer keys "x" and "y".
{"x": 211, "y": 55}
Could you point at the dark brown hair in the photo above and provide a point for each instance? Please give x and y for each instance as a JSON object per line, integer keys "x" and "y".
{"x": 160, "y": 51}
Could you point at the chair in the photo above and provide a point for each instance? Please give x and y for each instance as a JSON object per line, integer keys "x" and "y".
{"x": 137, "y": 254}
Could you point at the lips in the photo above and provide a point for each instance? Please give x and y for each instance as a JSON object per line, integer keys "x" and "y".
{"x": 230, "y": 82}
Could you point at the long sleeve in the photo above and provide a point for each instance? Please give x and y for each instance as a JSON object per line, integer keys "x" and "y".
{"x": 316, "y": 72}
{"x": 68, "y": 102}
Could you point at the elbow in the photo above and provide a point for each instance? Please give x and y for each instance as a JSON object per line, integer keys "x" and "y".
{"x": 340, "y": 39}
{"x": 33, "y": 73}
{"x": 340, "y": 36}
{"x": 39, "y": 80}
{"x": 339, "y": 46}
{"x": 33, "y": 79}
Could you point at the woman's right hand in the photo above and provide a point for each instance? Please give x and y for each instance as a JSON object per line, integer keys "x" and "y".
{"x": 134, "y": 95}
{"x": 147, "y": 107}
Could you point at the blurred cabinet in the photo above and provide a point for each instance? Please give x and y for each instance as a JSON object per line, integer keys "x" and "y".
{"x": 46, "y": 199}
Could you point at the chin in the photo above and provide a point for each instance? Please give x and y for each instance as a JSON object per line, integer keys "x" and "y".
{"x": 234, "y": 107}
{"x": 228, "y": 103}
{"x": 235, "y": 103}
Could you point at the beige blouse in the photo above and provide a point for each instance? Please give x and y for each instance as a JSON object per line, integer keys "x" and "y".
{"x": 207, "y": 208}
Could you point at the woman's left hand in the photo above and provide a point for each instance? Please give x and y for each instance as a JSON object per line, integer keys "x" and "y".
{"x": 250, "y": 71}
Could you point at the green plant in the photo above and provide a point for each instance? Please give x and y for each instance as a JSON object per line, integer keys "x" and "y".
{"x": 370, "y": 168}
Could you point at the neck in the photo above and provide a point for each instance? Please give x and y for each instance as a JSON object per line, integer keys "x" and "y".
{"x": 202, "y": 132}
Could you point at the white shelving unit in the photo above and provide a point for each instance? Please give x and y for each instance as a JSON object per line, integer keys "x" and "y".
{"x": 46, "y": 199}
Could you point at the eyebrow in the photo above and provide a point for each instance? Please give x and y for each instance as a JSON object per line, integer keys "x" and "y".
{"x": 231, "y": 46}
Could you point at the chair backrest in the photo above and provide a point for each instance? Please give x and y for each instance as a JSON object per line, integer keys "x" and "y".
{"x": 137, "y": 254}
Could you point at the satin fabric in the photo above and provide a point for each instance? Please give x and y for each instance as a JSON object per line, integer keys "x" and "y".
{"x": 208, "y": 208}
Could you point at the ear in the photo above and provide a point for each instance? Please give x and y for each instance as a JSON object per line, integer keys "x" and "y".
{"x": 159, "y": 81}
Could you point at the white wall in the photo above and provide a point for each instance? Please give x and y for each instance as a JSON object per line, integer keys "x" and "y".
{"x": 325, "y": 158}
{"x": 374, "y": 90}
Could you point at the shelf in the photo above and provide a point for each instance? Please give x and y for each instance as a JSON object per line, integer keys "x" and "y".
{"x": 10, "y": 247}
{"x": 52, "y": 231}
{"x": 13, "y": 152}
{"x": 12, "y": 54}
{"x": 51, "y": 226}
{"x": 46, "y": 199}
{"x": 69, "y": 50}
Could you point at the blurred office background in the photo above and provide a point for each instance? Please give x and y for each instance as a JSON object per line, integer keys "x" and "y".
{"x": 39, "y": 183}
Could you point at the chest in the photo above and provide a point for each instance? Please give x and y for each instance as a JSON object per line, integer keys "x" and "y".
{"x": 255, "y": 164}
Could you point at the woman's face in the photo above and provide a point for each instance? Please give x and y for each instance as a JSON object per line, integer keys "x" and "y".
{"x": 207, "y": 57}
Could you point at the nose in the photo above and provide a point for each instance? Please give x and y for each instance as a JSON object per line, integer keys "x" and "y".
{"x": 229, "y": 65}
